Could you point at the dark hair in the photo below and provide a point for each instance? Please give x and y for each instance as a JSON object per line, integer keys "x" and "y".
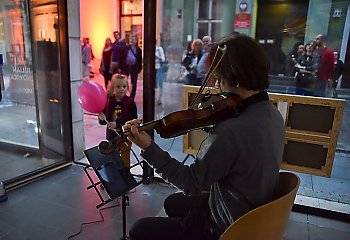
{"x": 235, "y": 34}
{"x": 336, "y": 51}
{"x": 245, "y": 62}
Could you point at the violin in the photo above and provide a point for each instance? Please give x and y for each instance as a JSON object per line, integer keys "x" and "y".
{"x": 181, "y": 122}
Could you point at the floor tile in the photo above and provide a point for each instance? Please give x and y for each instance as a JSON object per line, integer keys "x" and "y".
{"x": 296, "y": 230}
{"x": 321, "y": 233}
{"x": 328, "y": 223}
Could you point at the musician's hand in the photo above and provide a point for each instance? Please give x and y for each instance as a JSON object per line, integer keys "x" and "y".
{"x": 127, "y": 126}
{"x": 140, "y": 138}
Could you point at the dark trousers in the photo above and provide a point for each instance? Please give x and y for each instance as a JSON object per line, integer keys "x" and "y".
{"x": 133, "y": 73}
{"x": 107, "y": 77}
{"x": 133, "y": 78}
{"x": 188, "y": 219}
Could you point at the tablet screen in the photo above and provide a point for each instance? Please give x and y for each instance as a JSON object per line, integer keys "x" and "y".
{"x": 111, "y": 171}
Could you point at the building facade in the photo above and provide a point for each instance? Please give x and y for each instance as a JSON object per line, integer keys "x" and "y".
{"x": 40, "y": 57}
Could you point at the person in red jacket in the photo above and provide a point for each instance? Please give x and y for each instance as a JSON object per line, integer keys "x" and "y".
{"x": 326, "y": 65}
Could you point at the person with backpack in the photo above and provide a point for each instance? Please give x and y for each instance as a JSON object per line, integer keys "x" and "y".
{"x": 190, "y": 62}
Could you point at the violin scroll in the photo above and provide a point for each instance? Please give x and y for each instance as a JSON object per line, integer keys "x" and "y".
{"x": 109, "y": 147}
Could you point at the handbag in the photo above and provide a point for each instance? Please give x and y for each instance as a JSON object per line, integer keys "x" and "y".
{"x": 165, "y": 65}
{"x": 187, "y": 61}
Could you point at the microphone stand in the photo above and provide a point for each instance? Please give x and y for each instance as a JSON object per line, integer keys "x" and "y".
{"x": 116, "y": 179}
{"x": 125, "y": 203}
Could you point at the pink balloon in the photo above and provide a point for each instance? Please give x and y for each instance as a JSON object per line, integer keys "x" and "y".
{"x": 92, "y": 97}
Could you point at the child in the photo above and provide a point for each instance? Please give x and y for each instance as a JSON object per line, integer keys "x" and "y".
{"x": 119, "y": 109}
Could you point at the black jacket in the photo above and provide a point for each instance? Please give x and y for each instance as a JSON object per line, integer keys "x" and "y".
{"x": 137, "y": 67}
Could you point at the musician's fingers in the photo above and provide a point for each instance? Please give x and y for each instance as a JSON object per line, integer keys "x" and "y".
{"x": 141, "y": 139}
{"x": 134, "y": 122}
{"x": 126, "y": 127}
{"x": 134, "y": 133}
{"x": 134, "y": 130}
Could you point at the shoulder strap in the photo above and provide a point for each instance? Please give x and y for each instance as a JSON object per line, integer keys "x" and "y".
{"x": 133, "y": 51}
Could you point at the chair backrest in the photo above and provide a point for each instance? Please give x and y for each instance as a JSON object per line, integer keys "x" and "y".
{"x": 267, "y": 221}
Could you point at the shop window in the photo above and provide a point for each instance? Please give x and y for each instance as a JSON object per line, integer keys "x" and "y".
{"x": 208, "y": 18}
{"x": 131, "y": 19}
{"x": 31, "y": 125}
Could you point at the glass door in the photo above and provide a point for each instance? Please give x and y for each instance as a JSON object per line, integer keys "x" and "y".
{"x": 32, "y": 130}
{"x": 45, "y": 35}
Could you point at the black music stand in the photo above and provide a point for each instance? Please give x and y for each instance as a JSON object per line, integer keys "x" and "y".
{"x": 114, "y": 177}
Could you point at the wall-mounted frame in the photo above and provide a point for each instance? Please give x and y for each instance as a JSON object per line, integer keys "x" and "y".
{"x": 312, "y": 129}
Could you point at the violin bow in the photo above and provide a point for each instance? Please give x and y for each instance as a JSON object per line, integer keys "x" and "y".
{"x": 210, "y": 72}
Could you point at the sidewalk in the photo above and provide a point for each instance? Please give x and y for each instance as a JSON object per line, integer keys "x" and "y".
{"x": 328, "y": 193}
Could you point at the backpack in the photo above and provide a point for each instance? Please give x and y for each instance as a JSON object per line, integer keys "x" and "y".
{"x": 165, "y": 65}
{"x": 187, "y": 61}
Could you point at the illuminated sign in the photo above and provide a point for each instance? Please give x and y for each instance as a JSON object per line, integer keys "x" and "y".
{"x": 242, "y": 20}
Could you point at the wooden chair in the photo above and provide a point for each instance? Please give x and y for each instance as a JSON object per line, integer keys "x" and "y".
{"x": 267, "y": 221}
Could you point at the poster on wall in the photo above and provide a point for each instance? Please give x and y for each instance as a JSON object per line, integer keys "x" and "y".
{"x": 242, "y": 20}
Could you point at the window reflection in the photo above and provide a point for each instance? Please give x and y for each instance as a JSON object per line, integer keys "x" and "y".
{"x": 17, "y": 83}
{"x": 280, "y": 29}
{"x": 30, "y": 109}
